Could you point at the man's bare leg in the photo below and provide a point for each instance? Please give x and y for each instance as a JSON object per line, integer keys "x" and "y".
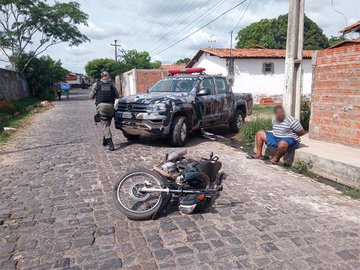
{"x": 260, "y": 138}
{"x": 280, "y": 152}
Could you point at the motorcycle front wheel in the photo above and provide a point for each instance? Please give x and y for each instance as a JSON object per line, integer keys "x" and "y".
{"x": 133, "y": 203}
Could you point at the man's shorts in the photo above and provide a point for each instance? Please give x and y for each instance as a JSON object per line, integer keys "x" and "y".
{"x": 273, "y": 141}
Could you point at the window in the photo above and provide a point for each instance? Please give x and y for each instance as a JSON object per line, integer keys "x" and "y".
{"x": 208, "y": 83}
{"x": 221, "y": 85}
{"x": 174, "y": 84}
{"x": 268, "y": 67}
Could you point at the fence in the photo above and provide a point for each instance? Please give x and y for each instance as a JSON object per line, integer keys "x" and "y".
{"x": 13, "y": 85}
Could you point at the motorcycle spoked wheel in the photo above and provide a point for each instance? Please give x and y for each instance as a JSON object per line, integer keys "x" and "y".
{"x": 131, "y": 202}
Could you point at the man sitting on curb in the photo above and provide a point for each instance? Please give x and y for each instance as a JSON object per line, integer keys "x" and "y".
{"x": 285, "y": 136}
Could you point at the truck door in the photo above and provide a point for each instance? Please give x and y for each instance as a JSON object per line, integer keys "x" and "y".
{"x": 206, "y": 102}
{"x": 223, "y": 100}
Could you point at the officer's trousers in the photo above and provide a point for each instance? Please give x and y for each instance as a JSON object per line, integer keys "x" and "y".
{"x": 106, "y": 111}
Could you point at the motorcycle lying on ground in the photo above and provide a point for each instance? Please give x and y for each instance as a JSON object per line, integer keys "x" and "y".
{"x": 143, "y": 194}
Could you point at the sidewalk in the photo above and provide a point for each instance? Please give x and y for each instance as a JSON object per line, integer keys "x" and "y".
{"x": 336, "y": 162}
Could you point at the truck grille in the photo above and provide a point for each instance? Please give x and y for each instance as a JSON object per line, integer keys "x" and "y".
{"x": 132, "y": 107}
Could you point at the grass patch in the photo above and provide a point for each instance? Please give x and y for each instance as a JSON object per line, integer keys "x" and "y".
{"x": 248, "y": 131}
{"x": 351, "y": 192}
{"x": 9, "y": 108}
{"x": 4, "y": 137}
{"x": 15, "y": 122}
{"x": 263, "y": 109}
{"x": 301, "y": 167}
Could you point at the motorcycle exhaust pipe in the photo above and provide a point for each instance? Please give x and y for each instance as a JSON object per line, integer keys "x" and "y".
{"x": 176, "y": 191}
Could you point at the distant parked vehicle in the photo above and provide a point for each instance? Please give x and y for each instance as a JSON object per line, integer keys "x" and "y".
{"x": 77, "y": 80}
{"x": 186, "y": 101}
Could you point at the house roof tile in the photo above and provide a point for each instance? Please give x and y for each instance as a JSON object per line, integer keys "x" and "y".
{"x": 348, "y": 41}
{"x": 254, "y": 52}
{"x": 355, "y": 27}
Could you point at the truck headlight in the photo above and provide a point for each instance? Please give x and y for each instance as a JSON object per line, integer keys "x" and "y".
{"x": 159, "y": 107}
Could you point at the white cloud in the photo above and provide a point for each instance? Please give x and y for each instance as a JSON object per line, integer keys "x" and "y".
{"x": 145, "y": 25}
{"x": 102, "y": 30}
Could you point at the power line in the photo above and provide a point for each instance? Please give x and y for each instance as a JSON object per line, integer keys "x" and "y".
{"x": 191, "y": 15}
{"x": 194, "y": 32}
{"x": 170, "y": 20}
{"x": 332, "y": 5}
{"x": 217, "y": 4}
{"x": 242, "y": 16}
{"x": 150, "y": 10}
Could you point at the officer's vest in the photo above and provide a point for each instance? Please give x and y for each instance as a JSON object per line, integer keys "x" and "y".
{"x": 105, "y": 93}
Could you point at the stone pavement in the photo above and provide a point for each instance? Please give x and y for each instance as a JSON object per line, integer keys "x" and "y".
{"x": 57, "y": 211}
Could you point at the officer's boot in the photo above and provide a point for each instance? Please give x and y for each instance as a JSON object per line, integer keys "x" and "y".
{"x": 105, "y": 141}
{"x": 111, "y": 145}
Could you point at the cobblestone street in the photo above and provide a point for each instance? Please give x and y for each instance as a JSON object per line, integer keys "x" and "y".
{"x": 57, "y": 209}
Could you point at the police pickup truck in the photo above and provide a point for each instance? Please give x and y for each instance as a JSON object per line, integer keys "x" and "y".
{"x": 185, "y": 101}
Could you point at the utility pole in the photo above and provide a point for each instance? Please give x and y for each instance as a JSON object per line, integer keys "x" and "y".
{"x": 231, "y": 60}
{"x": 211, "y": 40}
{"x": 294, "y": 56}
{"x": 116, "y": 45}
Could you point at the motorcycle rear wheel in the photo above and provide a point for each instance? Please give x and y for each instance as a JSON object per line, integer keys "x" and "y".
{"x": 134, "y": 204}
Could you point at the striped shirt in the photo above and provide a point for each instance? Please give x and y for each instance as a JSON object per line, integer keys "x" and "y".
{"x": 287, "y": 128}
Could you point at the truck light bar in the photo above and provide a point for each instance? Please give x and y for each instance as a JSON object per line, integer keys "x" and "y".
{"x": 186, "y": 71}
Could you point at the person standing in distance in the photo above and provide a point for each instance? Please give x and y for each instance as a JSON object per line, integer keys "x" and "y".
{"x": 104, "y": 92}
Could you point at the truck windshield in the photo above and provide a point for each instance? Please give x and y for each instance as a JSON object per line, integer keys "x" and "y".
{"x": 171, "y": 84}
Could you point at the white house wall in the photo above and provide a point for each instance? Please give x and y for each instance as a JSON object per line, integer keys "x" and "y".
{"x": 249, "y": 76}
{"x": 128, "y": 84}
{"x": 213, "y": 64}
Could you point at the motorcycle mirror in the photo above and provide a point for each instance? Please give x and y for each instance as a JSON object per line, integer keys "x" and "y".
{"x": 211, "y": 155}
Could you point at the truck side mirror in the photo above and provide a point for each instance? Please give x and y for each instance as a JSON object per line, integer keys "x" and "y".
{"x": 203, "y": 92}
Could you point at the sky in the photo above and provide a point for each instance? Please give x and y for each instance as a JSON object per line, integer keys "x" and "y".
{"x": 153, "y": 25}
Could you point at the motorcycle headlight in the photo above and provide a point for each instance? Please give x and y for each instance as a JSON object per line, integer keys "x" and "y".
{"x": 160, "y": 107}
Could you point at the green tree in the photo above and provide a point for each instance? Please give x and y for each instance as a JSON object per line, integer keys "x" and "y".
{"x": 41, "y": 74}
{"x": 134, "y": 59}
{"x": 129, "y": 60}
{"x": 183, "y": 61}
{"x": 335, "y": 40}
{"x": 95, "y": 67}
{"x": 271, "y": 33}
{"x": 40, "y": 25}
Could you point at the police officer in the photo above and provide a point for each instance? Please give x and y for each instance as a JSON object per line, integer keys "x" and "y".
{"x": 104, "y": 92}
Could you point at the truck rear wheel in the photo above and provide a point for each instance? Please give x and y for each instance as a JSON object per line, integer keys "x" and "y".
{"x": 179, "y": 132}
{"x": 237, "y": 122}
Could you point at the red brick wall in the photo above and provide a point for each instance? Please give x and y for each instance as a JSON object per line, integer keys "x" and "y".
{"x": 336, "y": 95}
{"x": 147, "y": 78}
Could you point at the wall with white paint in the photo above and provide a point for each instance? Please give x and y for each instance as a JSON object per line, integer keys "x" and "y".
{"x": 213, "y": 64}
{"x": 249, "y": 76}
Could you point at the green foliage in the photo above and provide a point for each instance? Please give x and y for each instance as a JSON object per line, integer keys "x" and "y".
{"x": 38, "y": 24}
{"x": 4, "y": 136}
{"x": 263, "y": 109}
{"x": 41, "y": 74}
{"x": 351, "y": 192}
{"x": 335, "y": 40}
{"x": 95, "y": 67}
{"x": 18, "y": 105}
{"x": 271, "y": 33}
{"x": 249, "y": 130}
{"x": 134, "y": 59}
{"x": 301, "y": 167}
{"x": 129, "y": 60}
{"x": 15, "y": 122}
{"x": 305, "y": 115}
{"x": 183, "y": 61}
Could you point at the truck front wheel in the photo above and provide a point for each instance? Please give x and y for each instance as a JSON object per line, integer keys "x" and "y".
{"x": 130, "y": 137}
{"x": 237, "y": 122}
{"x": 179, "y": 132}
